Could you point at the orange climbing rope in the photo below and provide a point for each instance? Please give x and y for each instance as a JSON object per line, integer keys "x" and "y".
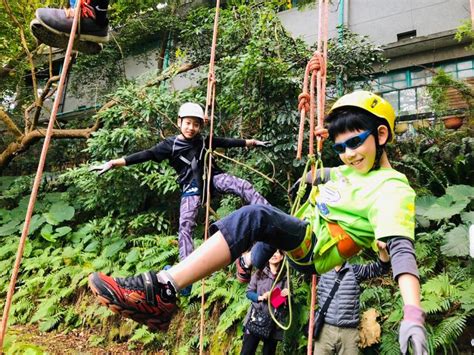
{"x": 209, "y": 117}
{"x": 316, "y": 67}
{"x": 39, "y": 173}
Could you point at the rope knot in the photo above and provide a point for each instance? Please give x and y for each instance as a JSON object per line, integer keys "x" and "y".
{"x": 303, "y": 101}
{"x": 211, "y": 77}
{"x": 316, "y": 63}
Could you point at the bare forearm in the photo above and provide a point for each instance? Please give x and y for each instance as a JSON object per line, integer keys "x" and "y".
{"x": 250, "y": 142}
{"x": 118, "y": 162}
{"x": 409, "y": 289}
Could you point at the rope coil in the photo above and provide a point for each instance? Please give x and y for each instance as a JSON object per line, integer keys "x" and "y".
{"x": 316, "y": 68}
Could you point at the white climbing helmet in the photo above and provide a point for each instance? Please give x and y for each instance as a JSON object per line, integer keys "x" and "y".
{"x": 190, "y": 109}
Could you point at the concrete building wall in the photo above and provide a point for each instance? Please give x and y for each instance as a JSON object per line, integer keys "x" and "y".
{"x": 381, "y": 20}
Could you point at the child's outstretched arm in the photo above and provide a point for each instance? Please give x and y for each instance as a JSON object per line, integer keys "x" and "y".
{"x": 103, "y": 168}
{"x": 157, "y": 153}
{"x": 222, "y": 142}
{"x": 412, "y": 329}
{"x": 374, "y": 269}
{"x": 257, "y": 143}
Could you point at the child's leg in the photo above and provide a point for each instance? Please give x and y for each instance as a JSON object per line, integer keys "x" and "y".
{"x": 188, "y": 212}
{"x": 225, "y": 183}
{"x": 259, "y": 255}
{"x": 150, "y": 298}
{"x": 235, "y": 234}
{"x": 262, "y": 252}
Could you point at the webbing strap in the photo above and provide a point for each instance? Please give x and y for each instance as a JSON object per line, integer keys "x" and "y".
{"x": 149, "y": 285}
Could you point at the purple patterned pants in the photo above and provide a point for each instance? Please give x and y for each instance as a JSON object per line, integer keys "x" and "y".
{"x": 189, "y": 208}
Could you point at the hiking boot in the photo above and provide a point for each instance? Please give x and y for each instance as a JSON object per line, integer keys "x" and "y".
{"x": 55, "y": 40}
{"x": 142, "y": 298}
{"x": 244, "y": 272}
{"x": 53, "y": 26}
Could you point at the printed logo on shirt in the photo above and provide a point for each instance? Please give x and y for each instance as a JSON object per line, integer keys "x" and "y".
{"x": 323, "y": 208}
{"x": 328, "y": 195}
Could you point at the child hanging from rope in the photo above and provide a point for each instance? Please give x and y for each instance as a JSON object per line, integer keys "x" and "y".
{"x": 186, "y": 153}
{"x": 360, "y": 202}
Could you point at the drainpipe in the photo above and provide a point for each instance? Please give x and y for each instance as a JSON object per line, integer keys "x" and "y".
{"x": 167, "y": 52}
{"x": 340, "y": 22}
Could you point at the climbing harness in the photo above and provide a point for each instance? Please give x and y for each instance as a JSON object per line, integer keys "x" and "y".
{"x": 39, "y": 173}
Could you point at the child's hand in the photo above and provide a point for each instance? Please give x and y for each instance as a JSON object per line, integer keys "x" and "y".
{"x": 383, "y": 253}
{"x": 285, "y": 292}
{"x": 321, "y": 132}
{"x": 264, "y": 297}
{"x": 264, "y": 144}
{"x": 102, "y": 168}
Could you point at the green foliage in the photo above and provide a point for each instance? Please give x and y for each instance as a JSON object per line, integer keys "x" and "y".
{"x": 356, "y": 59}
{"x": 125, "y": 222}
{"x": 465, "y": 32}
{"x": 436, "y": 159}
{"x": 438, "y": 90}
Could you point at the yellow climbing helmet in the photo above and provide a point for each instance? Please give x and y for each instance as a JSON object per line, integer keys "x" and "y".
{"x": 370, "y": 102}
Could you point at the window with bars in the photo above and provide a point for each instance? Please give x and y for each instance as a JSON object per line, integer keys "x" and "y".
{"x": 406, "y": 89}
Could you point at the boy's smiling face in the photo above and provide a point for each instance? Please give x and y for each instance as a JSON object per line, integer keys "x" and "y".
{"x": 189, "y": 126}
{"x": 361, "y": 158}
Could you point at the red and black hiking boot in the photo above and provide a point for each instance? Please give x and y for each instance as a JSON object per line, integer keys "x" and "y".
{"x": 243, "y": 272}
{"x": 142, "y": 298}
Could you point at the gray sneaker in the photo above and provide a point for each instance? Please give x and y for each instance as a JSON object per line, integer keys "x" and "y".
{"x": 58, "y": 21}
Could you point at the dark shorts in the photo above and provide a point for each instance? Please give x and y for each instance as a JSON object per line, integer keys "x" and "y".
{"x": 261, "y": 223}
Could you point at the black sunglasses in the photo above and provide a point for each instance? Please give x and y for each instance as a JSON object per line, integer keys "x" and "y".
{"x": 351, "y": 143}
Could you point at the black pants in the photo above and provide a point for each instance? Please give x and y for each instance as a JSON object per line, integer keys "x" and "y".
{"x": 250, "y": 344}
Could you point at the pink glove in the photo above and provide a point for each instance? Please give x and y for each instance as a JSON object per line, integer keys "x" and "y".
{"x": 412, "y": 330}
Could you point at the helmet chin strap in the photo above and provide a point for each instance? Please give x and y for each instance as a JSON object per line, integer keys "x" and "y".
{"x": 378, "y": 152}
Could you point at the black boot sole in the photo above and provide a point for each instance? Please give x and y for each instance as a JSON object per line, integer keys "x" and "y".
{"x": 60, "y": 40}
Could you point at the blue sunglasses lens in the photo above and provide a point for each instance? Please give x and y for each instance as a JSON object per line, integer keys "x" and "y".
{"x": 351, "y": 143}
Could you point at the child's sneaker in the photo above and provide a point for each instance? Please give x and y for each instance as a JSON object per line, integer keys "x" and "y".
{"x": 53, "y": 27}
{"x": 243, "y": 272}
{"x": 142, "y": 298}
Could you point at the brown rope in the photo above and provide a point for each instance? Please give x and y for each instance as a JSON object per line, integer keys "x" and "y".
{"x": 210, "y": 101}
{"x": 39, "y": 173}
{"x": 316, "y": 67}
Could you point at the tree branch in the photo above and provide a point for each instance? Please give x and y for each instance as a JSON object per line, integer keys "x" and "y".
{"x": 39, "y": 102}
{"x": 12, "y": 127}
{"x": 25, "y": 141}
{"x": 25, "y": 47}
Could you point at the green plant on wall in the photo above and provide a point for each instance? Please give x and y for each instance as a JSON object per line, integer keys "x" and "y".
{"x": 438, "y": 90}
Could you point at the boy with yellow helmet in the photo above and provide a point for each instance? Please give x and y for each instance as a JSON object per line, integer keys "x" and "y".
{"x": 363, "y": 201}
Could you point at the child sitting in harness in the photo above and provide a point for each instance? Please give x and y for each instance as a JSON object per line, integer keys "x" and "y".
{"x": 363, "y": 201}
{"x": 186, "y": 153}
